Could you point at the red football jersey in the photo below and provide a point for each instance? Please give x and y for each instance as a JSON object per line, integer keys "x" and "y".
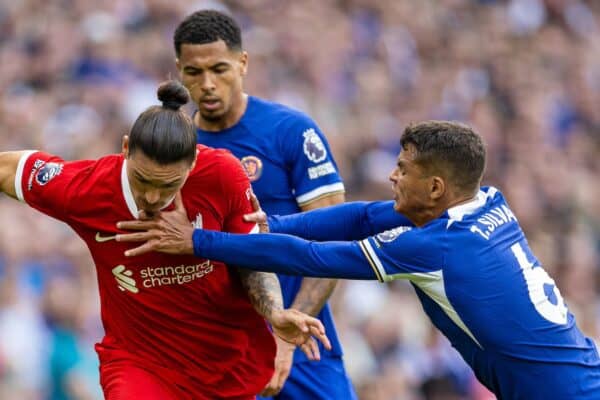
{"x": 185, "y": 318}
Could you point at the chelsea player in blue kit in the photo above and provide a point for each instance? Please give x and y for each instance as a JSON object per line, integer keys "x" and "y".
{"x": 290, "y": 166}
{"x": 459, "y": 245}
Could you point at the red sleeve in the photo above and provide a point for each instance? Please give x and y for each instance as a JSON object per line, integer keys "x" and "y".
{"x": 236, "y": 189}
{"x": 47, "y": 183}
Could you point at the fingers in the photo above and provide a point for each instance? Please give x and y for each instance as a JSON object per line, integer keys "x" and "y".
{"x": 257, "y": 216}
{"x": 135, "y": 237}
{"x": 320, "y": 334}
{"x": 254, "y": 201}
{"x": 137, "y": 225}
{"x": 311, "y": 349}
{"x": 143, "y": 249}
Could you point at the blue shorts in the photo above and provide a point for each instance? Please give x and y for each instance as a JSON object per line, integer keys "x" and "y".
{"x": 317, "y": 380}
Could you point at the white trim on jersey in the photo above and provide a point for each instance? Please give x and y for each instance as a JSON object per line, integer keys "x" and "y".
{"x": 374, "y": 260}
{"x": 19, "y": 174}
{"x": 127, "y": 194}
{"x": 431, "y": 283}
{"x": 457, "y": 213}
{"x": 254, "y": 230}
{"x": 320, "y": 191}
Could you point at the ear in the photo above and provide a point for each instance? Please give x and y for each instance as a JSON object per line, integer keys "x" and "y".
{"x": 437, "y": 188}
{"x": 244, "y": 63}
{"x": 125, "y": 146}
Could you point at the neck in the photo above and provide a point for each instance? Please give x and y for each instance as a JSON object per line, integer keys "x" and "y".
{"x": 232, "y": 117}
{"x": 425, "y": 215}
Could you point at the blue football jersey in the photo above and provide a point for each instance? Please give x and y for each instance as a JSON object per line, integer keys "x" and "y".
{"x": 289, "y": 163}
{"x": 473, "y": 272}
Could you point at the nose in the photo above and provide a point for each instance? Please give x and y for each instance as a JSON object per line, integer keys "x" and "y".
{"x": 392, "y": 176}
{"x": 152, "y": 196}
{"x": 208, "y": 82}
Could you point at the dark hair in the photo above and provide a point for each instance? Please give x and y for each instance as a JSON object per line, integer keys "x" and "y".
{"x": 207, "y": 26}
{"x": 165, "y": 133}
{"x": 448, "y": 148}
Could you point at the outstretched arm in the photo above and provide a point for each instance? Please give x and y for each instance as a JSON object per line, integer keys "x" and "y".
{"x": 285, "y": 254}
{"x": 9, "y": 162}
{"x": 349, "y": 221}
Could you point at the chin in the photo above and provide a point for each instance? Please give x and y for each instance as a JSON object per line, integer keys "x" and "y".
{"x": 215, "y": 116}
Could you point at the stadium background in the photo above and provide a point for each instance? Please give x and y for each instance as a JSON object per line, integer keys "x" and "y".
{"x": 526, "y": 73}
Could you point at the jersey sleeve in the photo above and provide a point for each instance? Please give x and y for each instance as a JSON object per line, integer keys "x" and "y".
{"x": 313, "y": 171}
{"x": 47, "y": 183}
{"x": 347, "y": 221}
{"x": 236, "y": 191}
{"x": 403, "y": 253}
{"x": 284, "y": 254}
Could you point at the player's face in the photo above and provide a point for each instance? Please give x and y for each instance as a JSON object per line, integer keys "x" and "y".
{"x": 214, "y": 74}
{"x": 410, "y": 184}
{"x": 154, "y": 185}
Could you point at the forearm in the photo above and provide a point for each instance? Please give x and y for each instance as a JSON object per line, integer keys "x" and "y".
{"x": 348, "y": 221}
{"x": 284, "y": 254}
{"x": 263, "y": 291}
{"x": 313, "y": 294}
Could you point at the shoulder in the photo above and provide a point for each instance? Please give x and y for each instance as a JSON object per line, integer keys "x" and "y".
{"x": 216, "y": 164}
{"x": 280, "y": 114}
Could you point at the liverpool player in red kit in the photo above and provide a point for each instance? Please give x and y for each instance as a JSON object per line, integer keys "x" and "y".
{"x": 177, "y": 327}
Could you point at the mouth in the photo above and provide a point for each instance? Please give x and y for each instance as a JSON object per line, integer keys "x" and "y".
{"x": 210, "y": 104}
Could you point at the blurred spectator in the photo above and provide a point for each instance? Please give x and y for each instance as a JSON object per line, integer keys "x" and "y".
{"x": 525, "y": 73}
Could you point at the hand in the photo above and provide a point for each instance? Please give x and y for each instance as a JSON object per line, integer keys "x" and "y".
{"x": 258, "y": 216}
{"x": 167, "y": 232}
{"x": 283, "y": 367}
{"x": 298, "y": 328}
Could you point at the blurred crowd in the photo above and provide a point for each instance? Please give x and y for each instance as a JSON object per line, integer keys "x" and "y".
{"x": 74, "y": 74}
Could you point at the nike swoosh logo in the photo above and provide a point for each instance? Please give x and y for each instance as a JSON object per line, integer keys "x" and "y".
{"x": 101, "y": 239}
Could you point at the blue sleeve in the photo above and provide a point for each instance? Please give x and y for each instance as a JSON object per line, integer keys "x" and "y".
{"x": 313, "y": 171}
{"x": 348, "y": 221}
{"x": 405, "y": 253}
{"x": 284, "y": 254}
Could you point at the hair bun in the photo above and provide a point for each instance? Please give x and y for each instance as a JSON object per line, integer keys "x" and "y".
{"x": 172, "y": 94}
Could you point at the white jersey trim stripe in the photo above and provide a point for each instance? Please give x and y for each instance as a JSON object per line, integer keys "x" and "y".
{"x": 254, "y": 230}
{"x": 432, "y": 284}
{"x": 320, "y": 191}
{"x": 376, "y": 260}
{"x": 19, "y": 174}
{"x": 129, "y": 200}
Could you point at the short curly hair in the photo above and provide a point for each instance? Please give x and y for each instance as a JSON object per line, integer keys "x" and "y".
{"x": 449, "y": 148}
{"x": 207, "y": 26}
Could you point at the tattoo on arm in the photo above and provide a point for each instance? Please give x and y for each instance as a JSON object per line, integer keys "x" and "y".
{"x": 313, "y": 294}
{"x": 263, "y": 290}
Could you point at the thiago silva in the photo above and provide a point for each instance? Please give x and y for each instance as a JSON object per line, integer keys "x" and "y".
{"x": 290, "y": 166}
{"x": 462, "y": 249}
{"x": 176, "y": 327}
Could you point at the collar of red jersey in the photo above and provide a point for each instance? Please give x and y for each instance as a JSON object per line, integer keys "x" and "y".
{"x": 128, "y": 194}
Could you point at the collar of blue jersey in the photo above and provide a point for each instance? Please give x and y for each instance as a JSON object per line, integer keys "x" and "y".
{"x": 457, "y": 213}
{"x": 128, "y": 194}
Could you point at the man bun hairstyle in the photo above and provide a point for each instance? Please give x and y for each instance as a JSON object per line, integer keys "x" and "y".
{"x": 208, "y": 26}
{"x": 450, "y": 149}
{"x": 173, "y": 95}
{"x": 165, "y": 134}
